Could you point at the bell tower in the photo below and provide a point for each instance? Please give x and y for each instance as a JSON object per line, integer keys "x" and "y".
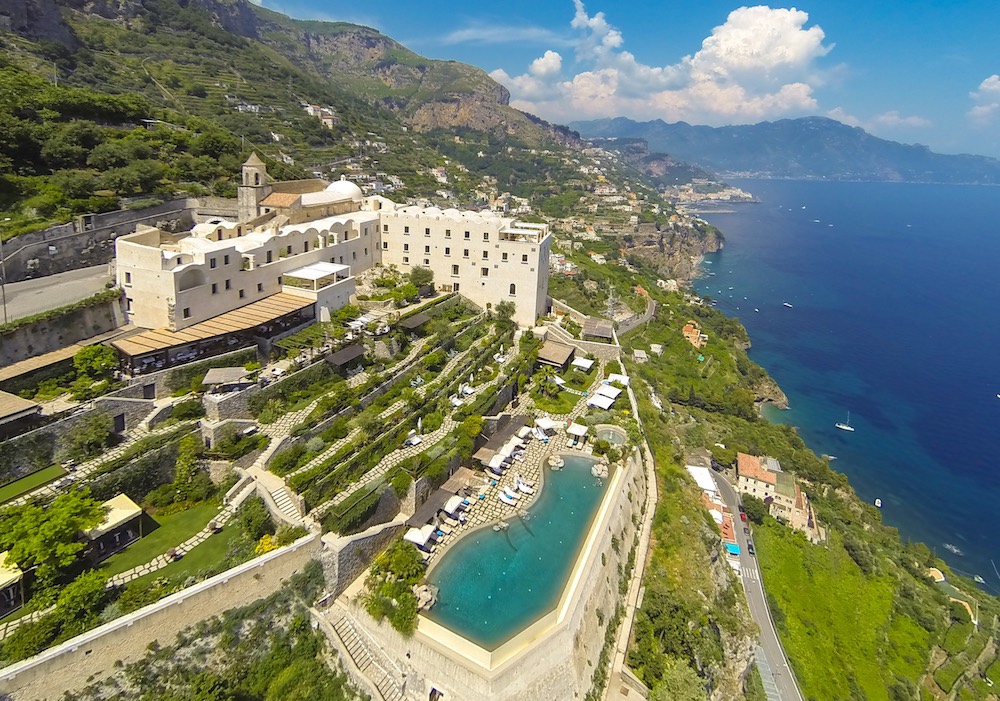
{"x": 253, "y": 188}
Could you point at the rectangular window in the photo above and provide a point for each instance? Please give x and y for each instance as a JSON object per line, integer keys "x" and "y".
{"x": 215, "y": 288}
{"x": 465, "y": 253}
{"x": 447, "y": 251}
{"x": 427, "y": 231}
{"x": 211, "y": 262}
{"x": 427, "y": 250}
{"x": 270, "y": 256}
{"x": 524, "y": 258}
{"x": 260, "y": 286}
{"x": 279, "y": 279}
{"x": 187, "y": 312}
{"x": 354, "y": 255}
{"x": 305, "y": 247}
{"x": 427, "y": 261}
{"x": 385, "y": 245}
{"x": 484, "y": 272}
{"x": 406, "y": 248}
{"x": 225, "y": 260}
{"x": 242, "y": 294}
{"x": 406, "y": 260}
{"x": 486, "y": 255}
{"x": 503, "y": 257}
{"x": 385, "y": 228}
{"x": 289, "y": 250}
{"x": 128, "y": 278}
{"x": 486, "y": 236}
{"x": 454, "y": 270}
{"x": 366, "y": 250}
{"x": 229, "y": 285}
{"x": 406, "y": 229}
{"x": 447, "y": 233}
{"x": 467, "y": 235}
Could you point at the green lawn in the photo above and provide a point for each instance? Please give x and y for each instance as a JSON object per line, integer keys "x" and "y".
{"x": 208, "y": 554}
{"x": 562, "y": 403}
{"x": 30, "y": 482}
{"x": 171, "y": 532}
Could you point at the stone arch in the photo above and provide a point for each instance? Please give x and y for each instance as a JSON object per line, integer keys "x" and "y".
{"x": 193, "y": 277}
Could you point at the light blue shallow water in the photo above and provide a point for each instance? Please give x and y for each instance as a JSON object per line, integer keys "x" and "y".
{"x": 895, "y": 294}
{"x": 494, "y": 584}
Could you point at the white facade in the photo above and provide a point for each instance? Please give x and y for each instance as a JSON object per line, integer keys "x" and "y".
{"x": 176, "y": 280}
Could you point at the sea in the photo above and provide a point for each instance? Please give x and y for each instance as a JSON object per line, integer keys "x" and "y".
{"x": 894, "y": 317}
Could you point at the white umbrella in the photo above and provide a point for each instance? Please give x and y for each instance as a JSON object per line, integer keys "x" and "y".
{"x": 576, "y": 429}
{"x": 496, "y": 460}
{"x": 451, "y": 506}
{"x": 420, "y": 424}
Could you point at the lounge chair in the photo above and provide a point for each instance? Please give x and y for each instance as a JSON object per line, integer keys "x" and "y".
{"x": 522, "y": 487}
{"x": 530, "y": 483}
{"x": 506, "y": 499}
{"x": 511, "y": 493}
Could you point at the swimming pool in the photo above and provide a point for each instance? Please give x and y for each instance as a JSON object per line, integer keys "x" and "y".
{"x": 491, "y": 585}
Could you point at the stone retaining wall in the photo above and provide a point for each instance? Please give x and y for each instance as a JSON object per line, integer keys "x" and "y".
{"x": 345, "y": 558}
{"x": 58, "y": 332}
{"x": 101, "y": 651}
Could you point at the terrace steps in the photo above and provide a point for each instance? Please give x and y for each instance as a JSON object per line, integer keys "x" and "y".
{"x": 364, "y": 661}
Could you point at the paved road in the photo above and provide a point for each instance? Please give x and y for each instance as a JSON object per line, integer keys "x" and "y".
{"x": 774, "y": 669}
{"x": 44, "y": 293}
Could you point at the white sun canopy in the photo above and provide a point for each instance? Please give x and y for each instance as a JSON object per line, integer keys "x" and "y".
{"x": 545, "y": 423}
{"x": 583, "y": 363}
{"x": 600, "y": 401}
{"x": 621, "y": 379}
{"x": 576, "y": 429}
{"x": 608, "y": 391}
{"x": 419, "y": 536}
{"x": 451, "y": 506}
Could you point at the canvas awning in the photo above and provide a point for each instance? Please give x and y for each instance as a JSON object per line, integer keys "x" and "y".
{"x": 415, "y": 321}
{"x": 545, "y": 423}
{"x": 558, "y": 381}
{"x": 452, "y": 505}
{"x": 608, "y": 391}
{"x": 9, "y": 572}
{"x": 496, "y": 461}
{"x": 419, "y": 536}
{"x": 553, "y": 353}
{"x": 225, "y": 376}
{"x": 345, "y": 355}
{"x": 576, "y": 429}
{"x": 600, "y": 401}
{"x": 121, "y": 510}
{"x": 620, "y": 379}
{"x": 583, "y": 363}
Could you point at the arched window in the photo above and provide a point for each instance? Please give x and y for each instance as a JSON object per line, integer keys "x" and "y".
{"x": 513, "y": 288}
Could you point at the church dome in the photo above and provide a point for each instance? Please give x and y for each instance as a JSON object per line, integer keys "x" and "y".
{"x": 345, "y": 189}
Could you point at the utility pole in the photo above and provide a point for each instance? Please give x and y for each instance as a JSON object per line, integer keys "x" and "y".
{"x": 3, "y": 272}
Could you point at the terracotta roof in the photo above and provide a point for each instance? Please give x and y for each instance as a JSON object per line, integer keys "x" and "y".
{"x": 749, "y": 466}
{"x": 280, "y": 199}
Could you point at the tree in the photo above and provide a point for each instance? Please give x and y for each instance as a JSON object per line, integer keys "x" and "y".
{"x": 421, "y": 276}
{"x": 90, "y": 436}
{"x": 756, "y": 509}
{"x": 49, "y": 539}
{"x": 186, "y": 467}
{"x": 505, "y": 311}
{"x": 546, "y": 381}
{"x": 679, "y": 683}
{"x": 96, "y": 362}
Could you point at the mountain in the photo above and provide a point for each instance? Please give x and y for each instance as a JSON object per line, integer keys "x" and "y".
{"x": 810, "y": 147}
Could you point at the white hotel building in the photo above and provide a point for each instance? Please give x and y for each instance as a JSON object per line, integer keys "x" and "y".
{"x": 292, "y": 256}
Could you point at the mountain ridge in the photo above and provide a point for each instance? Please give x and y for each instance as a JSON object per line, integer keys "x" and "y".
{"x": 806, "y": 147}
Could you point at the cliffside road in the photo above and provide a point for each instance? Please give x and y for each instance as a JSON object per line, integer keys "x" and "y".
{"x": 774, "y": 670}
{"x": 44, "y": 293}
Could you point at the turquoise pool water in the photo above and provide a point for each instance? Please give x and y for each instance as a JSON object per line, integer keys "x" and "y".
{"x": 494, "y": 584}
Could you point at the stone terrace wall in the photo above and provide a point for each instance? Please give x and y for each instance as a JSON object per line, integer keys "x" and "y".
{"x": 53, "y": 334}
{"x": 98, "y": 653}
{"x": 89, "y": 240}
{"x": 346, "y": 558}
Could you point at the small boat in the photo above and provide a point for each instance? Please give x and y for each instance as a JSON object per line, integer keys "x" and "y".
{"x": 787, "y": 305}
{"x": 846, "y": 425}
{"x": 878, "y": 502}
{"x": 979, "y": 580}
{"x": 756, "y": 309}
{"x": 953, "y": 549}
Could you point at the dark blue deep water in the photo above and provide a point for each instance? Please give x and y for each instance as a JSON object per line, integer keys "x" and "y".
{"x": 896, "y": 318}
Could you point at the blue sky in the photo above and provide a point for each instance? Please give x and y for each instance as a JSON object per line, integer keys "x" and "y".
{"x": 916, "y": 71}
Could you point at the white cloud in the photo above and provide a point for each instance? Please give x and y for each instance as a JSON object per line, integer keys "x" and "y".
{"x": 987, "y": 102}
{"x": 760, "y": 64}
{"x": 493, "y": 34}
{"x": 894, "y": 119}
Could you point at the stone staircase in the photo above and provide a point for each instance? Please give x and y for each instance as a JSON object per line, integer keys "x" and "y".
{"x": 283, "y": 500}
{"x": 364, "y": 661}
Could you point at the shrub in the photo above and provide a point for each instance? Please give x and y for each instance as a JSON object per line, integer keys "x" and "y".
{"x": 337, "y": 430}
{"x": 287, "y": 460}
{"x": 188, "y": 409}
{"x": 401, "y": 483}
{"x": 254, "y": 519}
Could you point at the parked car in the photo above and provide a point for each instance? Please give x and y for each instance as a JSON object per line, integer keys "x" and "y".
{"x": 750, "y": 548}
{"x": 747, "y": 531}
{"x": 740, "y": 507}
{"x": 743, "y": 517}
